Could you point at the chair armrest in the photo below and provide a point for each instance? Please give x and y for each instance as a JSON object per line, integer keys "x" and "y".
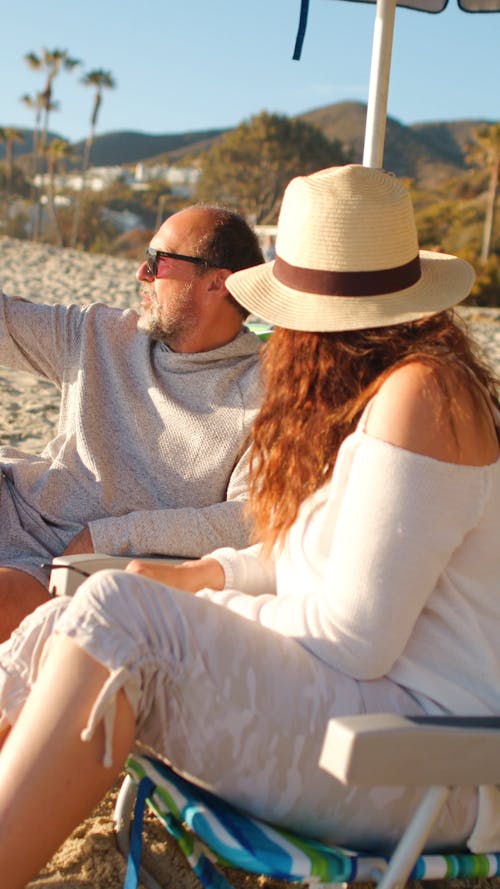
{"x": 68, "y": 572}
{"x": 387, "y": 749}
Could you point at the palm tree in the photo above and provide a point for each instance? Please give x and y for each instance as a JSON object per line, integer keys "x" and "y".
{"x": 99, "y": 80}
{"x": 486, "y": 153}
{"x": 34, "y": 103}
{"x": 51, "y": 62}
{"x": 38, "y": 156}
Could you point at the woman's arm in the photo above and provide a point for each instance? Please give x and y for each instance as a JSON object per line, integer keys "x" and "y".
{"x": 245, "y": 570}
{"x": 189, "y": 576}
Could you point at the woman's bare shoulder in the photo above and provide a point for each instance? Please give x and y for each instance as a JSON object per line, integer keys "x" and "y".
{"x": 434, "y": 412}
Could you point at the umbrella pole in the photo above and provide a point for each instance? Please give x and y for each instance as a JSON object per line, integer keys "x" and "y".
{"x": 376, "y": 114}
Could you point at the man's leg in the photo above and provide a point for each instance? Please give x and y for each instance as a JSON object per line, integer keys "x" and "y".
{"x": 20, "y": 593}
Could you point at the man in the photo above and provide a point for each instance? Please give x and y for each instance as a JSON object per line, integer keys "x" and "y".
{"x": 154, "y": 412}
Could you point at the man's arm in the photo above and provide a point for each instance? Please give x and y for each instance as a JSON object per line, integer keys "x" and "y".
{"x": 188, "y": 532}
{"x": 35, "y": 337}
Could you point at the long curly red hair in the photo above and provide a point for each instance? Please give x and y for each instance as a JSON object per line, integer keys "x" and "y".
{"x": 316, "y": 387}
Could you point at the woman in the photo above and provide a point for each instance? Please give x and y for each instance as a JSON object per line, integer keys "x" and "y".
{"x": 375, "y": 497}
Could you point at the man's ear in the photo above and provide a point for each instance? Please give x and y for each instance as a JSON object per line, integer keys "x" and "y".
{"x": 218, "y": 280}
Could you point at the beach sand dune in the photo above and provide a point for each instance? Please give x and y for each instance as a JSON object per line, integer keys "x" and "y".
{"x": 28, "y": 418}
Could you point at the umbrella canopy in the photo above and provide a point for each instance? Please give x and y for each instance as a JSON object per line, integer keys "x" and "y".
{"x": 383, "y": 31}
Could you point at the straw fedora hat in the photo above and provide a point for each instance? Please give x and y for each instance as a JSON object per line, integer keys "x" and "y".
{"x": 347, "y": 258}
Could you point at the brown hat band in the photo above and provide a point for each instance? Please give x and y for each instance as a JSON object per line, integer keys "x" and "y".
{"x": 326, "y": 283}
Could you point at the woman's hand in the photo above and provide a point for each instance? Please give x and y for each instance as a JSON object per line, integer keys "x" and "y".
{"x": 189, "y": 576}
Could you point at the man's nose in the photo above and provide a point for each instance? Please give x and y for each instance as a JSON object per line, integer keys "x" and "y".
{"x": 143, "y": 274}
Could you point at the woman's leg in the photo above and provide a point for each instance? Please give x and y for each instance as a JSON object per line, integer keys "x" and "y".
{"x": 20, "y": 659}
{"x": 244, "y": 710}
{"x": 240, "y": 708}
{"x": 49, "y": 778}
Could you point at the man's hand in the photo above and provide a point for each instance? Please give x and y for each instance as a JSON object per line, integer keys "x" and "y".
{"x": 82, "y": 543}
{"x": 189, "y": 576}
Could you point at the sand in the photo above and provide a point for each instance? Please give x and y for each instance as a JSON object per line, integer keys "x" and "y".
{"x": 28, "y": 415}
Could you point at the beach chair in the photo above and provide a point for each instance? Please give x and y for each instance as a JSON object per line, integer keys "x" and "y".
{"x": 368, "y": 750}
{"x": 68, "y": 572}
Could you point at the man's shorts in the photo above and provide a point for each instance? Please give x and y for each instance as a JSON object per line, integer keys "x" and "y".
{"x": 26, "y": 540}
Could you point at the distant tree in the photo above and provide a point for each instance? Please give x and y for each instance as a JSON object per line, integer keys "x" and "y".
{"x": 159, "y": 201}
{"x": 486, "y": 288}
{"x": 10, "y": 136}
{"x": 19, "y": 185}
{"x": 57, "y": 152}
{"x": 486, "y": 153}
{"x": 130, "y": 244}
{"x": 251, "y": 165}
{"x": 433, "y": 221}
{"x": 99, "y": 80}
{"x": 97, "y": 234}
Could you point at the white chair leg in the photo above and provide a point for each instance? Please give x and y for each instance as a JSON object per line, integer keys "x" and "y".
{"x": 122, "y": 816}
{"x": 413, "y": 840}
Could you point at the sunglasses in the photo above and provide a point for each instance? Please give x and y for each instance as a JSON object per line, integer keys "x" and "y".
{"x": 152, "y": 257}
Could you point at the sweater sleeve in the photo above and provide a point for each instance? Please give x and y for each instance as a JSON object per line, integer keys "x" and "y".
{"x": 244, "y": 570}
{"x": 399, "y": 519}
{"x": 183, "y": 531}
{"x": 36, "y": 338}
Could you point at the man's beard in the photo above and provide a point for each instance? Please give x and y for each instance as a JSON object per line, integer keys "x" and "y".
{"x": 163, "y": 329}
{"x": 150, "y": 324}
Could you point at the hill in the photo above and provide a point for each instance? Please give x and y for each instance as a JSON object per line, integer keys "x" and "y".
{"x": 426, "y": 152}
{"x": 129, "y": 147}
{"x": 429, "y": 153}
{"x": 126, "y": 147}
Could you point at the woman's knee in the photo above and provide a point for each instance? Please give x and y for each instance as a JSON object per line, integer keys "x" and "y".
{"x": 137, "y": 614}
{"x": 21, "y": 657}
{"x": 110, "y": 592}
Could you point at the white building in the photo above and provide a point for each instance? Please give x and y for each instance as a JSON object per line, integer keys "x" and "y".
{"x": 181, "y": 180}
{"x": 96, "y": 179}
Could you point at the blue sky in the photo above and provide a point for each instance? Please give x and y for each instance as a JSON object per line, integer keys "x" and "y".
{"x": 199, "y": 64}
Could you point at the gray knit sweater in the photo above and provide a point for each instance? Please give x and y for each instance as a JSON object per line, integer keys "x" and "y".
{"x": 147, "y": 446}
